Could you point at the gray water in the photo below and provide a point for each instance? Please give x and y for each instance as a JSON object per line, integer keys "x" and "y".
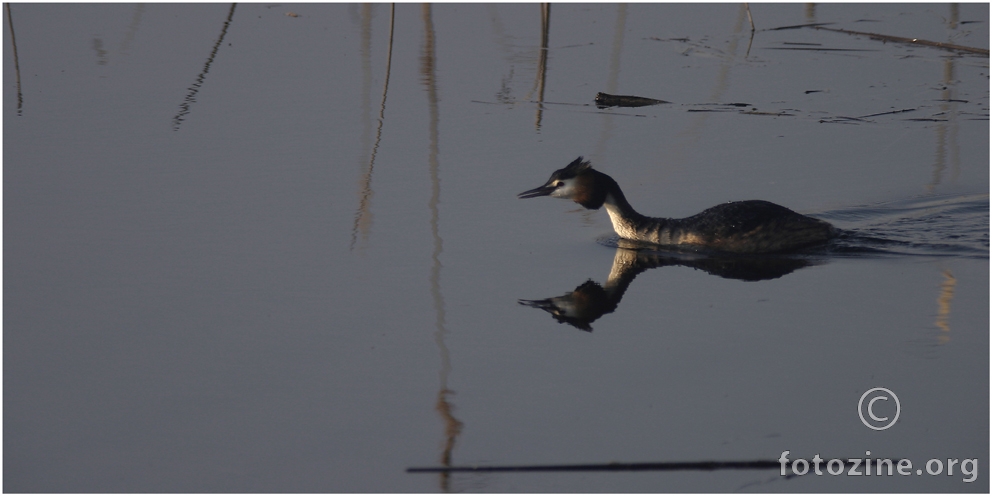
{"x": 273, "y": 247}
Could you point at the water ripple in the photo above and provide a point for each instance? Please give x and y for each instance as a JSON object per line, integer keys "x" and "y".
{"x": 929, "y": 226}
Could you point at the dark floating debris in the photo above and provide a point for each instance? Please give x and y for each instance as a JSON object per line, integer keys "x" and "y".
{"x": 813, "y": 91}
{"x": 888, "y": 113}
{"x": 821, "y": 49}
{"x": 612, "y": 467}
{"x": 682, "y": 40}
{"x": 780, "y": 113}
{"x": 840, "y": 119}
{"x": 798, "y": 26}
{"x": 888, "y": 38}
{"x": 604, "y": 100}
{"x": 718, "y": 107}
{"x": 911, "y": 41}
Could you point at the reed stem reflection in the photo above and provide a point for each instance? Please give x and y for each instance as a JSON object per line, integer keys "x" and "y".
{"x": 17, "y": 66}
{"x": 363, "y": 214}
{"x": 190, "y": 99}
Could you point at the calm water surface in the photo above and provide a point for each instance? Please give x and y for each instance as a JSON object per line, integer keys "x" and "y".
{"x": 274, "y": 247}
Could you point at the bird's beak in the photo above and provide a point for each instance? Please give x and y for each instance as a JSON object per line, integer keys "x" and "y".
{"x": 534, "y": 193}
{"x": 546, "y": 304}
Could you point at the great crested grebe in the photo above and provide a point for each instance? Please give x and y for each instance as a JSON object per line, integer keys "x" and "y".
{"x": 753, "y": 226}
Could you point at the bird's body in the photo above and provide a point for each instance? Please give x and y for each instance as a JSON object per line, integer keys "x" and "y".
{"x": 753, "y": 226}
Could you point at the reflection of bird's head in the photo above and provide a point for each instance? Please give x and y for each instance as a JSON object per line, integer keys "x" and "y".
{"x": 578, "y": 308}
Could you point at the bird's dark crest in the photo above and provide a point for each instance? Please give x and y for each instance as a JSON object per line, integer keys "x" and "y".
{"x": 573, "y": 169}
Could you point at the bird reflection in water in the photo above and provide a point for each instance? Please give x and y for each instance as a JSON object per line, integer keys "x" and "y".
{"x": 590, "y": 300}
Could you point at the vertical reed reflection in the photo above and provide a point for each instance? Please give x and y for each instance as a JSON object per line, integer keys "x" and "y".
{"x": 364, "y": 161}
{"x": 542, "y": 62}
{"x": 190, "y": 98}
{"x": 132, "y": 29}
{"x": 615, "y": 54}
{"x": 944, "y": 307}
{"x": 17, "y": 66}
{"x": 952, "y": 20}
{"x": 689, "y": 136}
{"x": 613, "y": 76}
{"x": 727, "y": 62}
{"x": 444, "y": 406}
{"x": 363, "y": 214}
{"x": 947, "y": 131}
{"x": 101, "y": 54}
